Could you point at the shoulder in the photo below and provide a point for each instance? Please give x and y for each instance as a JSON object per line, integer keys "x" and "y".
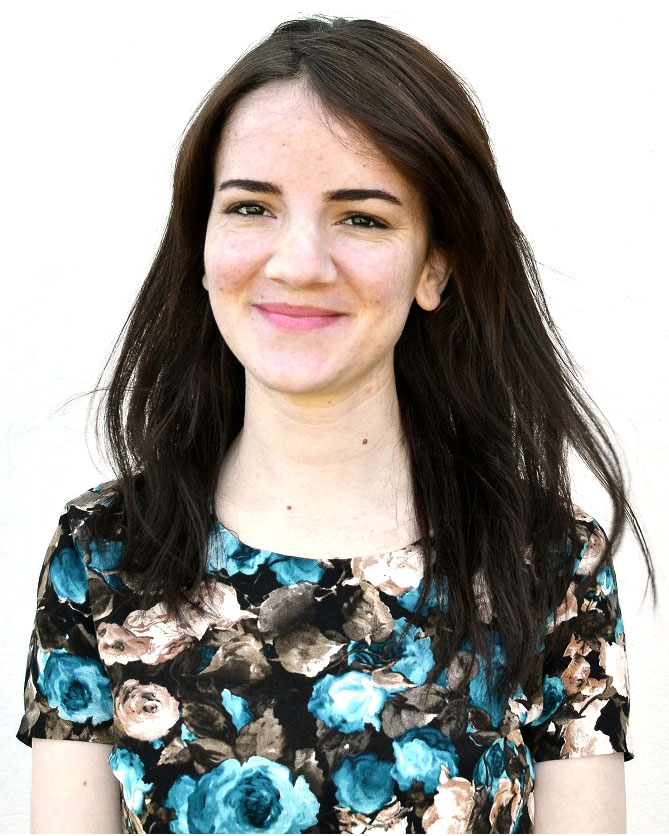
{"x": 94, "y": 499}
{"x": 590, "y": 605}
{"x": 89, "y": 539}
{"x": 593, "y": 548}
{"x": 96, "y": 513}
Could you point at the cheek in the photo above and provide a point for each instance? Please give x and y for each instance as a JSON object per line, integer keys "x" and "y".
{"x": 385, "y": 277}
{"x": 229, "y": 264}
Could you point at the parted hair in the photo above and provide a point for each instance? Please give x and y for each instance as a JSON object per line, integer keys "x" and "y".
{"x": 490, "y": 398}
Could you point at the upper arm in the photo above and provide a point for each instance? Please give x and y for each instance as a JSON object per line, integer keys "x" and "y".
{"x": 73, "y": 788}
{"x": 577, "y": 729}
{"x": 68, "y": 718}
{"x": 580, "y": 795}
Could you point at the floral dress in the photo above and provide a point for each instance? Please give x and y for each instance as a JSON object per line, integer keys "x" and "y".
{"x": 289, "y": 704}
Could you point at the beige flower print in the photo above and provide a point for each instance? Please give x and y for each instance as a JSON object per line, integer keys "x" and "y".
{"x": 508, "y": 792}
{"x": 391, "y": 819}
{"x": 391, "y": 572}
{"x": 119, "y": 646}
{"x": 581, "y": 739}
{"x": 451, "y": 808}
{"x": 216, "y": 605}
{"x": 306, "y": 650}
{"x": 366, "y": 617}
{"x": 567, "y": 609}
{"x": 145, "y": 712}
{"x": 593, "y": 552}
{"x": 575, "y": 676}
{"x": 167, "y": 638}
{"x": 614, "y": 662}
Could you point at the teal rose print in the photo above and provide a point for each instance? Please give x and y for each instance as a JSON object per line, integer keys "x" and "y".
{"x": 414, "y": 654}
{"x": 177, "y": 800}
{"x": 409, "y": 599}
{"x": 258, "y": 796}
{"x": 497, "y": 771}
{"x": 364, "y": 783}
{"x": 419, "y": 756}
{"x": 290, "y": 570}
{"x": 554, "y": 694}
{"x": 129, "y": 770}
{"x": 481, "y": 695}
{"x": 237, "y": 708}
{"x": 105, "y": 554}
{"x": 77, "y": 687}
{"x": 227, "y": 553}
{"x": 348, "y": 701}
{"x": 492, "y": 765}
{"x": 68, "y": 576}
{"x": 207, "y": 731}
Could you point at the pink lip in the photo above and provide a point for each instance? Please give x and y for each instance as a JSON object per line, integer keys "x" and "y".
{"x": 297, "y": 310}
{"x": 299, "y": 321}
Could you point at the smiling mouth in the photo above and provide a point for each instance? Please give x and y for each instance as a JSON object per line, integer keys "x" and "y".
{"x": 299, "y": 321}
{"x": 297, "y": 310}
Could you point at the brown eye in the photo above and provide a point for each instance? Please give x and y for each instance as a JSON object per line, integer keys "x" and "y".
{"x": 365, "y": 221}
{"x": 249, "y": 209}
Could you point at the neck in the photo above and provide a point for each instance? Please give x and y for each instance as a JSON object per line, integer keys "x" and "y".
{"x": 311, "y": 459}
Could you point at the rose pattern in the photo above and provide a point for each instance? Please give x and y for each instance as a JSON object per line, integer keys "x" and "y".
{"x": 285, "y": 700}
{"x": 77, "y": 687}
{"x": 420, "y": 755}
{"x": 145, "y": 712}
{"x": 68, "y": 576}
{"x": 129, "y": 770}
{"x": 119, "y": 646}
{"x": 413, "y": 655}
{"x": 453, "y": 804}
{"x": 364, "y": 783}
{"x": 347, "y": 702}
{"x": 258, "y": 796}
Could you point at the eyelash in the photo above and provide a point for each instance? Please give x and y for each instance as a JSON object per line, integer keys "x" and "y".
{"x": 233, "y": 210}
{"x": 375, "y": 222}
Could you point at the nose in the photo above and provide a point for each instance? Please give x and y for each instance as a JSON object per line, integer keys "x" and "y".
{"x": 300, "y": 255}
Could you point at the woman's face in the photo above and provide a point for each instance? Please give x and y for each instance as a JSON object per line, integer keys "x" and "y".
{"x": 307, "y": 213}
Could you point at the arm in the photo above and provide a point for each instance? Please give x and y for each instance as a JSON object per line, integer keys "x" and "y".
{"x": 73, "y": 788}
{"x": 580, "y": 795}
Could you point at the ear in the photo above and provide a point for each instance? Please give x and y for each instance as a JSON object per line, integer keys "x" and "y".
{"x": 205, "y": 281}
{"x": 433, "y": 280}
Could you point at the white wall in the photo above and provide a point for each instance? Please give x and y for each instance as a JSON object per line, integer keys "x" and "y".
{"x": 95, "y": 96}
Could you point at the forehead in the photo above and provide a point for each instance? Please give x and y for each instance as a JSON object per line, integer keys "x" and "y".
{"x": 285, "y": 124}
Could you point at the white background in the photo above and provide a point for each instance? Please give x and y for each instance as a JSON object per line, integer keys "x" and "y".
{"x": 95, "y": 96}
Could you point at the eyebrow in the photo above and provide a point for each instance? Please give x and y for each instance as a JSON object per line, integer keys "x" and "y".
{"x": 332, "y": 196}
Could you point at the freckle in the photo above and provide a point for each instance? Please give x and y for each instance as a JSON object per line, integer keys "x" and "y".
{"x": 364, "y": 441}
{"x": 85, "y": 783}
{"x": 289, "y": 507}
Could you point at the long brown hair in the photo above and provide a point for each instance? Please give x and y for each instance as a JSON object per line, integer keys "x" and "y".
{"x": 489, "y": 395}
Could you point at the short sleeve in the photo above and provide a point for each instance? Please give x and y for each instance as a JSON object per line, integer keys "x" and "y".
{"x": 67, "y": 693}
{"x": 583, "y": 707}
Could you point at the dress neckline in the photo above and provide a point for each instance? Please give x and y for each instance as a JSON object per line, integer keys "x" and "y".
{"x": 231, "y": 534}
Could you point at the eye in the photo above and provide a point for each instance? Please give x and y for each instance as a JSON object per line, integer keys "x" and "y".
{"x": 248, "y": 209}
{"x": 365, "y": 221}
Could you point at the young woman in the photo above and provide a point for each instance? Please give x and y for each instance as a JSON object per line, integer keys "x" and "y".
{"x": 339, "y": 582}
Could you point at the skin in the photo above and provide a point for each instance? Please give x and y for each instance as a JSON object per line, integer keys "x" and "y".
{"x": 73, "y": 788}
{"x": 321, "y": 447}
{"x": 321, "y": 438}
{"x": 580, "y": 795}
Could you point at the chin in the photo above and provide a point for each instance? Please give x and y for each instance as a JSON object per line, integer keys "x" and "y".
{"x": 300, "y": 387}
{"x": 297, "y": 382}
